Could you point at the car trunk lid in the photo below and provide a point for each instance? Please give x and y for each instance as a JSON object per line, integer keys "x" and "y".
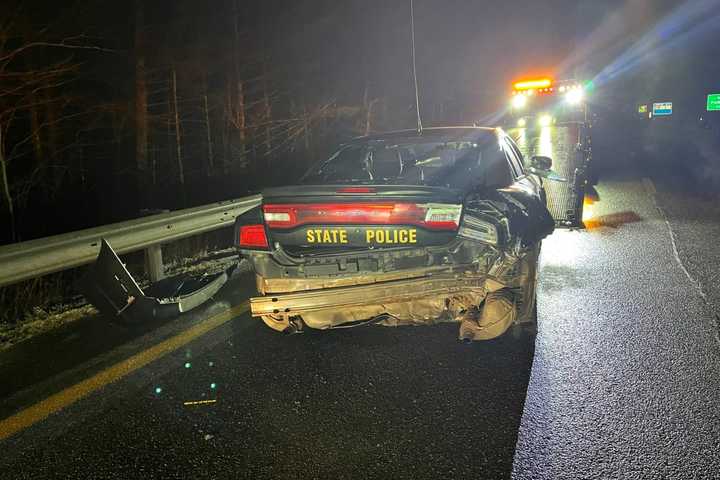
{"x": 351, "y": 217}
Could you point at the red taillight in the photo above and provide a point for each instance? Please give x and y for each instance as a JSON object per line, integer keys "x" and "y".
{"x": 253, "y": 236}
{"x": 432, "y": 216}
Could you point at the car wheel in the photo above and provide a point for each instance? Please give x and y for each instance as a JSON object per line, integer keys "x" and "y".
{"x": 279, "y": 324}
{"x": 528, "y": 291}
{"x": 527, "y": 321}
{"x": 527, "y": 327}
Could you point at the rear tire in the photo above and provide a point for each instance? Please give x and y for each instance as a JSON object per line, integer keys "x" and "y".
{"x": 529, "y": 290}
{"x": 279, "y": 324}
{"x": 527, "y": 327}
{"x": 527, "y": 324}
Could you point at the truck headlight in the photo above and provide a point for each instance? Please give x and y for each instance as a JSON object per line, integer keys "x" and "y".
{"x": 519, "y": 102}
{"x": 574, "y": 96}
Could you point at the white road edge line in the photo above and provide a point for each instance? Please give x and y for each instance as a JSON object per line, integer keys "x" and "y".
{"x": 651, "y": 191}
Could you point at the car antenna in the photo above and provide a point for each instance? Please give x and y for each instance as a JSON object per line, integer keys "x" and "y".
{"x": 417, "y": 93}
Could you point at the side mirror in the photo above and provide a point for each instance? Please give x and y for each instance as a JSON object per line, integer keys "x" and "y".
{"x": 540, "y": 166}
{"x": 540, "y": 162}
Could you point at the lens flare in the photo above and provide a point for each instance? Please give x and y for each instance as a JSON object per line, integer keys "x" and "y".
{"x": 691, "y": 22}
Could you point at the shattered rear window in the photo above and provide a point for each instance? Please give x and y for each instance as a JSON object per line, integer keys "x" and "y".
{"x": 458, "y": 164}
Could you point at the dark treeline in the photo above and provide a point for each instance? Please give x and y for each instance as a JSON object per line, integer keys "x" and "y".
{"x": 111, "y": 108}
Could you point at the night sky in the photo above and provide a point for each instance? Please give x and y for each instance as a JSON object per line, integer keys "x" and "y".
{"x": 298, "y": 62}
{"x": 469, "y": 51}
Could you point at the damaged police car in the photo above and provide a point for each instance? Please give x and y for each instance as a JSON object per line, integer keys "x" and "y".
{"x": 408, "y": 227}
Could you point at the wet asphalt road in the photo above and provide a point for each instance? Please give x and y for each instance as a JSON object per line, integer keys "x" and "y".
{"x": 695, "y": 223}
{"x": 625, "y": 383}
{"x": 371, "y": 403}
{"x": 626, "y": 375}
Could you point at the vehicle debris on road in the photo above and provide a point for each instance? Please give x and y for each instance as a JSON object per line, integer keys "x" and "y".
{"x": 112, "y": 289}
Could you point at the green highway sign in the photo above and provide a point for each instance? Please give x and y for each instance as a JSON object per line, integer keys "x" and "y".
{"x": 713, "y": 102}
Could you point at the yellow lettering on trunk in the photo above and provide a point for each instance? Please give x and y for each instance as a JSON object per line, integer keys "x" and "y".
{"x": 387, "y": 236}
{"x": 327, "y": 236}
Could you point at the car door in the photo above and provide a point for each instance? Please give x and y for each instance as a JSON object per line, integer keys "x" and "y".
{"x": 523, "y": 177}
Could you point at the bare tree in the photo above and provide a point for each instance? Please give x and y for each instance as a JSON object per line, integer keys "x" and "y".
{"x": 178, "y": 129}
{"x": 36, "y": 68}
{"x": 141, "y": 121}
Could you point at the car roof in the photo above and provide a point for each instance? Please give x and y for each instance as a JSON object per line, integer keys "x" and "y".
{"x": 431, "y": 133}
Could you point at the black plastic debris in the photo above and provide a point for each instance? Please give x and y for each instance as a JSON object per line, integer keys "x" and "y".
{"x": 109, "y": 286}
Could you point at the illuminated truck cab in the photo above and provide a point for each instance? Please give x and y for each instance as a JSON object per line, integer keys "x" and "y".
{"x": 541, "y": 102}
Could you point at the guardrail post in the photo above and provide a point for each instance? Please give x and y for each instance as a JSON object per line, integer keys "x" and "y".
{"x": 154, "y": 263}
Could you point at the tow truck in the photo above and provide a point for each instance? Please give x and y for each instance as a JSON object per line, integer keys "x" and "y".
{"x": 551, "y": 118}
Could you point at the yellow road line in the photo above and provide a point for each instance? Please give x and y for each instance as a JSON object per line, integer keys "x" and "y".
{"x": 54, "y": 403}
{"x": 199, "y": 402}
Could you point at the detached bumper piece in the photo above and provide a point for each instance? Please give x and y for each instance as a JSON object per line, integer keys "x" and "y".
{"x": 109, "y": 286}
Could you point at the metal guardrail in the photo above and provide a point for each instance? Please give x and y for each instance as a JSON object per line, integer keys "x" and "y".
{"x": 34, "y": 258}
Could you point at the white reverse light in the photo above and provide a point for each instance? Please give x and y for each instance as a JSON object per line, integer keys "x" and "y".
{"x": 519, "y": 101}
{"x": 441, "y": 213}
{"x": 277, "y": 217}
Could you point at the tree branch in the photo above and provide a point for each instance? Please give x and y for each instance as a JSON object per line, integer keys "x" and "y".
{"x": 30, "y": 45}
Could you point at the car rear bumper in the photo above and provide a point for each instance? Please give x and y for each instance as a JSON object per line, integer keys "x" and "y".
{"x": 391, "y": 292}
